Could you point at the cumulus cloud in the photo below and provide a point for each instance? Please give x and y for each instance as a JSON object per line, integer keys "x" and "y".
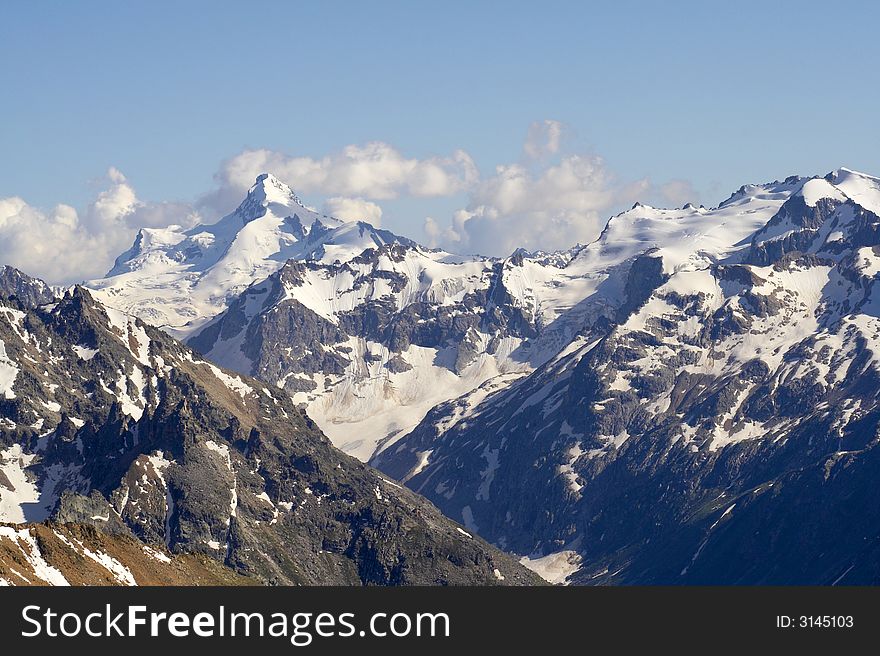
{"x": 676, "y": 193}
{"x": 353, "y": 209}
{"x": 553, "y": 208}
{"x": 63, "y": 245}
{"x": 544, "y": 138}
{"x": 438, "y": 235}
{"x": 115, "y": 175}
{"x": 374, "y": 171}
{"x": 549, "y": 200}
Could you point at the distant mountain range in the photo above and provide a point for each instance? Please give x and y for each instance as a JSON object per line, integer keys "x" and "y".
{"x": 367, "y": 328}
{"x": 690, "y": 398}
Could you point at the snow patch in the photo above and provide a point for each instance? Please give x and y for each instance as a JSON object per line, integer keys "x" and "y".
{"x": 26, "y": 542}
{"x": 8, "y": 373}
{"x": 119, "y": 571}
{"x": 156, "y": 555}
{"x": 555, "y": 568}
{"x": 85, "y": 353}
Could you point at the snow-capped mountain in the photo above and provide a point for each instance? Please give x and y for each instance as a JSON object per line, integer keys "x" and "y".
{"x": 109, "y": 424}
{"x": 373, "y": 343}
{"x": 724, "y": 426}
{"x": 631, "y": 410}
{"x": 178, "y": 279}
{"x": 369, "y": 330}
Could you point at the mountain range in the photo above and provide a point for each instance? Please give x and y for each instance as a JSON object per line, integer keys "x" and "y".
{"x": 690, "y": 398}
{"x": 113, "y": 431}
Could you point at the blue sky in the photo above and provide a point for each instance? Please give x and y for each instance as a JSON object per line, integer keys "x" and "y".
{"x": 708, "y": 94}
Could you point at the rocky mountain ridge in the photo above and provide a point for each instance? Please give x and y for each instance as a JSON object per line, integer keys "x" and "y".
{"x": 694, "y": 387}
{"x": 722, "y": 430}
{"x": 110, "y": 423}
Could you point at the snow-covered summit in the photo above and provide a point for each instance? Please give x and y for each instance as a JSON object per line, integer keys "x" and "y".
{"x": 816, "y": 189}
{"x": 826, "y": 216}
{"x": 688, "y": 237}
{"x": 268, "y": 193}
{"x": 179, "y": 278}
{"x": 862, "y": 188}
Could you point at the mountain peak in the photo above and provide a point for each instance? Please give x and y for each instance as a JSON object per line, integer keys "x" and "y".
{"x": 843, "y": 173}
{"x": 860, "y": 187}
{"x": 269, "y": 189}
{"x": 29, "y": 291}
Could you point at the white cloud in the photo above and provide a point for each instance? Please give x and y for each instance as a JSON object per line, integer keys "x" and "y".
{"x": 111, "y": 205}
{"x": 64, "y": 246}
{"x": 547, "y": 201}
{"x": 353, "y": 209}
{"x": 373, "y": 171}
{"x": 678, "y": 192}
{"x": 553, "y": 208}
{"x": 115, "y": 175}
{"x": 438, "y": 235}
{"x": 543, "y": 139}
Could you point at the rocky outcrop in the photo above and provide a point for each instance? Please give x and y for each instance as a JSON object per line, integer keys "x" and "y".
{"x": 28, "y": 291}
{"x": 71, "y": 554}
{"x": 112, "y": 424}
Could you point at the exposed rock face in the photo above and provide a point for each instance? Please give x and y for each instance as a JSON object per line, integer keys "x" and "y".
{"x": 397, "y": 325}
{"x": 107, "y": 422}
{"x": 723, "y": 430}
{"x": 70, "y": 554}
{"x": 30, "y": 292}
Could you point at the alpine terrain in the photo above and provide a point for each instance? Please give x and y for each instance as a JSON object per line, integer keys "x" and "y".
{"x": 150, "y": 465}
{"x": 690, "y": 398}
{"x": 367, "y": 329}
{"x": 722, "y": 427}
